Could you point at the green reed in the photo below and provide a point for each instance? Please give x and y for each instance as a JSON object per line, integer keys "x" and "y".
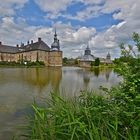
{"x": 88, "y": 117}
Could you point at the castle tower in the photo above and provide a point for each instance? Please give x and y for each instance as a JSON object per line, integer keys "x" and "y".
{"x": 55, "y": 55}
{"x": 55, "y": 45}
{"x": 108, "y": 56}
{"x": 87, "y": 51}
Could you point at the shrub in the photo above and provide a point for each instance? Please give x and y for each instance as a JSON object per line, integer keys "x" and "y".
{"x": 97, "y": 62}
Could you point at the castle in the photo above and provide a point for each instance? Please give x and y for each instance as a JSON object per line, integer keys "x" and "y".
{"x": 87, "y": 58}
{"x": 33, "y": 51}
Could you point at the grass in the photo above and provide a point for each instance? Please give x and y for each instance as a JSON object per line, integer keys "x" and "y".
{"x": 89, "y": 117}
{"x": 21, "y": 64}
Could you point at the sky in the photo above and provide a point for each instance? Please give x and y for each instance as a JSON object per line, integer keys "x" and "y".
{"x": 101, "y": 24}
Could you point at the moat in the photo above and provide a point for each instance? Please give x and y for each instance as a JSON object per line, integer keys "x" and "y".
{"x": 20, "y": 86}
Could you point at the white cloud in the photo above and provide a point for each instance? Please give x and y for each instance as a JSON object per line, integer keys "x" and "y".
{"x": 74, "y": 39}
{"x": 7, "y": 7}
{"x": 70, "y": 38}
{"x": 13, "y": 33}
{"x": 53, "y": 6}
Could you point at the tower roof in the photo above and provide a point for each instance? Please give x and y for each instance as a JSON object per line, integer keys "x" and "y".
{"x": 87, "y": 51}
{"x": 108, "y": 56}
{"x": 55, "y": 44}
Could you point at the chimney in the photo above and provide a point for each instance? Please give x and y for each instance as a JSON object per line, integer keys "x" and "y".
{"x": 39, "y": 39}
{"x": 0, "y": 43}
{"x": 31, "y": 41}
{"x": 28, "y": 42}
{"x": 22, "y": 44}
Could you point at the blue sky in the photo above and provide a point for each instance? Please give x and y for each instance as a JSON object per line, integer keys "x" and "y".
{"x": 102, "y": 24}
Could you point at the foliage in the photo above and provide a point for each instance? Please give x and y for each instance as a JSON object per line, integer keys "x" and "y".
{"x": 37, "y": 63}
{"x": 70, "y": 61}
{"x": 128, "y": 66}
{"x": 28, "y": 63}
{"x": 76, "y": 62}
{"x": 5, "y": 63}
{"x": 97, "y": 62}
{"x": 92, "y": 63}
{"x": 65, "y": 60}
{"x": 89, "y": 117}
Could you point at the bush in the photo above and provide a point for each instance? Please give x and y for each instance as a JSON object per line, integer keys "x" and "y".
{"x": 29, "y": 63}
{"x": 97, "y": 62}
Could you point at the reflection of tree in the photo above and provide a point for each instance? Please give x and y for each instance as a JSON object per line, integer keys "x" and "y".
{"x": 55, "y": 77}
{"x": 107, "y": 73}
{"x": 96, "y": 72}
{"x": 86, "y": 79}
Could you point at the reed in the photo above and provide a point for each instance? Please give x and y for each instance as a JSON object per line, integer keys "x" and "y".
{"x": 88, "y": 117}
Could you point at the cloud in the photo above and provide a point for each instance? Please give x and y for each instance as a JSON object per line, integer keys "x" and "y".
{"x": 73, "y": 39}
{"x": 15, "y": 32}
{"x": 53, "y": 6}
{"x": 8, "y": 7}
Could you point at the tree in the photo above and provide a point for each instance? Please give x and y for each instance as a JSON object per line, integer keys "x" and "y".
{"x": 129, "y": 67}
{"x": 65, "y": 60}
{"x": 97, "y": 62}
{"x": 76, "y": 61}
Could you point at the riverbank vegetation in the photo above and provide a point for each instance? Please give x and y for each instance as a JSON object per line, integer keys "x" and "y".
{"x": 70, "y": 62}
{"x": 101, "y": 67}
{"x": 114, "y": 116}
{"x": 21, "y": 64}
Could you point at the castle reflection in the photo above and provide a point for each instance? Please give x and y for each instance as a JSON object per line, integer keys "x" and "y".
{"x": 42, "y": 78}
{"x": 35, "y": 78}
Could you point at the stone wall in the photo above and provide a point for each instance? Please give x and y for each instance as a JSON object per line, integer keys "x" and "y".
{"x": 7, "y": 57}
{"x": 53, "y": 58}
{"x": 86, "y": 64}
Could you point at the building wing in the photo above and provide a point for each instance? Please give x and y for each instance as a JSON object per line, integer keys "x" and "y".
{"x": 8, "y": 49}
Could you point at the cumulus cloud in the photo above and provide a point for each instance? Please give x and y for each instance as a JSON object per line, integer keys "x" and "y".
{"x": 109, "y": 40}
{"x": 8, "y": 7}
{"x": 71, "y": 39}
{"x": 74, "y": 39}
{"x": 53, "y": 6}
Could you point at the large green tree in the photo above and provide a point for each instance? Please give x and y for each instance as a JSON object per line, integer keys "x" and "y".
{"x": 129, "y": 67}
{"x": 97, "y": 62}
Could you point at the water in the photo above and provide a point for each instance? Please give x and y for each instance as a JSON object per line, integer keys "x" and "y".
{"x": 20, "y": 86}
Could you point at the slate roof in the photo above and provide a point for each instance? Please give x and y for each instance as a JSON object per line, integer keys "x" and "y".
{"x": 40, "y": 45}
{"x": 87, "y": 58}
{"x": 8, "y": 49}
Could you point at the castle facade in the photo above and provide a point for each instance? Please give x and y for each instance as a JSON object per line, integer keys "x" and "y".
{"x": 88, "y": 58}
{"x": 33, "y": 51}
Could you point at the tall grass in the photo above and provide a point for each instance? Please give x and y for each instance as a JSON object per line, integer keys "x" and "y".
{"x": 89, "y": 117}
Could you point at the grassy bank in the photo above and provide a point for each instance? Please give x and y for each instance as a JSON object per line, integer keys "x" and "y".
{"x": 22, "y": 64}
{"x": 89, "y": 117}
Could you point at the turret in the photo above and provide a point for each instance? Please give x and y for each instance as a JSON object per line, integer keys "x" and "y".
{"x": 55, "y": 45}
{"x": 87, "y": 51}
{"x": 108, "y": 56}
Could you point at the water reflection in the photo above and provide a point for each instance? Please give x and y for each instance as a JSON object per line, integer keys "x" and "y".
{"x": 96, "y": 72}
{"x": 86, "y": 79}
{"x": 38, "y": 78}
{"x": 103, "y": 71}
{"x": 42, "y": 78}
{"x": 19, "y": 87}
